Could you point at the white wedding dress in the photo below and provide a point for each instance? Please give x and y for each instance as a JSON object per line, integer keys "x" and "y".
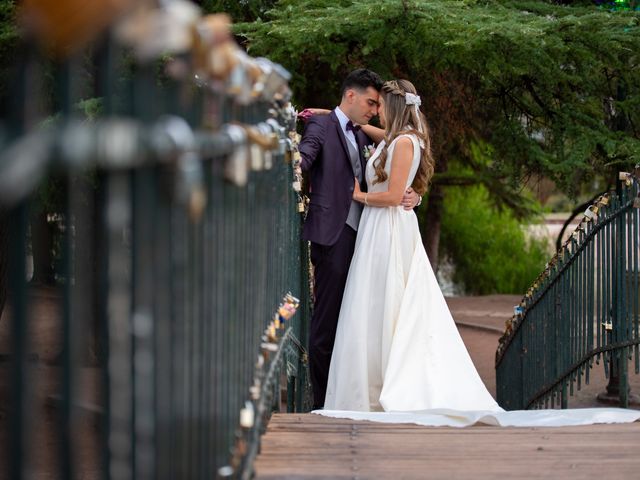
{"x": 398, "y": 356}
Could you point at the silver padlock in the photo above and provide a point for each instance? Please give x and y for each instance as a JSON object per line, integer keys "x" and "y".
{"x": 268, "y": 159}
{"x": 154, "y": 31}
{"x": 236, "y": 168}
{"x": 257, "y": 157}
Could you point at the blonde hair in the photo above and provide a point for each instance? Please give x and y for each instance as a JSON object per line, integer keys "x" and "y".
{"x": 405, "y": 119}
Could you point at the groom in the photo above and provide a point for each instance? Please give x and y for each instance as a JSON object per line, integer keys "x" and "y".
{"x": 332, "y": 150}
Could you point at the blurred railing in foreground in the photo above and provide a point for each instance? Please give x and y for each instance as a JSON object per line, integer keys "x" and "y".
{"x": 178, "y": 239}
{"x": 584, "y": 308}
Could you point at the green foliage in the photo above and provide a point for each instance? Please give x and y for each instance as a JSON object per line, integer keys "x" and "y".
{"x": 8, "y": 31}
{"x": 8, "y": 42}
{"x": 240, "y": 11}
{"x": 91, "y": 108}
{"x": 553, "y": 89}
{"x": 488, "y": 247}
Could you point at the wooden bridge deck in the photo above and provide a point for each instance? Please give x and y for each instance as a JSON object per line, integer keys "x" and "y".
{"x": 313, "y": 447}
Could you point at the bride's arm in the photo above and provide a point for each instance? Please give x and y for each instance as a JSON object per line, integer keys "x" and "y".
{"x": 374, "y": 133}
{"x": 400, "y": 167}
{"x": 307, "y": 113}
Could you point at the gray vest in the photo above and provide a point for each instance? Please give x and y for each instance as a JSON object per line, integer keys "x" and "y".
{"x": 355, "y": 211}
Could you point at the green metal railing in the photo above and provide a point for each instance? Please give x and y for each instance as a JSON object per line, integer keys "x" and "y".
{"x": 179, "y": 237}
{"x": 583, "y": 309}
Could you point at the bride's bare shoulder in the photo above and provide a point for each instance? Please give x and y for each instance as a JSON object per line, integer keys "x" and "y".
{"x": 403, "y": 142}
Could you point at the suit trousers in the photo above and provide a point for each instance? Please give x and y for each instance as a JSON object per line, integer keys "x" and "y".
{"x": 331, "y": 266}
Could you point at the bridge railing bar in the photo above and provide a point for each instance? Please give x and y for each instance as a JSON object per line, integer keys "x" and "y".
{"x": 583, "y": 309}
{"x": 179, "y": 236}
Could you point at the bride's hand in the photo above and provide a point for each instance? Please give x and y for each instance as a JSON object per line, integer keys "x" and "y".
{"x": 307, "y": 113}
{"x": 356, "y": 190}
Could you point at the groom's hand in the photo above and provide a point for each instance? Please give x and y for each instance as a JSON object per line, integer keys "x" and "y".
{"x": 410, "y": 199}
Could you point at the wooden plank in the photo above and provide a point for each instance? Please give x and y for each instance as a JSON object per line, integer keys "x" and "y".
{"x": 315, "y": 447}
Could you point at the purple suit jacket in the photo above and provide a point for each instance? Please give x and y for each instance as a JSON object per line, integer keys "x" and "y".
{"x": 325, "y": 156}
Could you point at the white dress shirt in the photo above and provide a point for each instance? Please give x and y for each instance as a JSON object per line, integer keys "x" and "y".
{"x": 349, "y": 135}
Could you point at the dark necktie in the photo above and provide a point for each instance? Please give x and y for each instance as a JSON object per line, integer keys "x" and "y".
{"x": 352, "y": 127}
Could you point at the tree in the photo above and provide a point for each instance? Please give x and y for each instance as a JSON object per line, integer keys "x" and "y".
{"x": 4, "y": 233}
{"x": 240, "y": 11}
{"x": 533, "y": 86}
{"x": 8, "y": 40}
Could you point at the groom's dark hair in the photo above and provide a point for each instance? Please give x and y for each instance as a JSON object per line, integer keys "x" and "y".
{"x": 360, "y": 79}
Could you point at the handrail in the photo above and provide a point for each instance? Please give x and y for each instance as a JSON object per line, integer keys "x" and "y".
{"x": 580, "y": 309}
{"x": 177, "y": 234}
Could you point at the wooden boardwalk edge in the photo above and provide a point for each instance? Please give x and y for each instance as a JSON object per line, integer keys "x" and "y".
{"x": 309, "y": 446}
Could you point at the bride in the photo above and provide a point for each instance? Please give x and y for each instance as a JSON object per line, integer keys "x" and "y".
{"x": 398, "y": 356}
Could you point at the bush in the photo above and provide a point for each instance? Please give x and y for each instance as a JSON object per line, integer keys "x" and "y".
{"x": 489, "y": 247}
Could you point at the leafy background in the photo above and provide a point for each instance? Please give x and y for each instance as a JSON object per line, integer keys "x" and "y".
{"x": 527, "y": 100}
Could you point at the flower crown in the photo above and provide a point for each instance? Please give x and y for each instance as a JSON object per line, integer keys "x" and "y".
{"x": 411, "y": 99}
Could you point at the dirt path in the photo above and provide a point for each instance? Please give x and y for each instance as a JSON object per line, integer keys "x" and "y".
{"x": 481, "y": 323}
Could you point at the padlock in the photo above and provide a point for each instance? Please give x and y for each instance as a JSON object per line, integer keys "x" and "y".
{"x": 66, "y": 26}
{"x": 213, "y": 46}
{"x": 247, "y": 415}
{"x": 237, "y": 166}
{"x": 257, "y": 157}
{"x": 268, "y": 159}
{"x": 153, "y": 31}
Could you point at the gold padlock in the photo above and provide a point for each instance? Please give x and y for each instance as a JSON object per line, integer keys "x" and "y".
{"x": 66, "y": 26}
{"x": 300, "y": 207}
